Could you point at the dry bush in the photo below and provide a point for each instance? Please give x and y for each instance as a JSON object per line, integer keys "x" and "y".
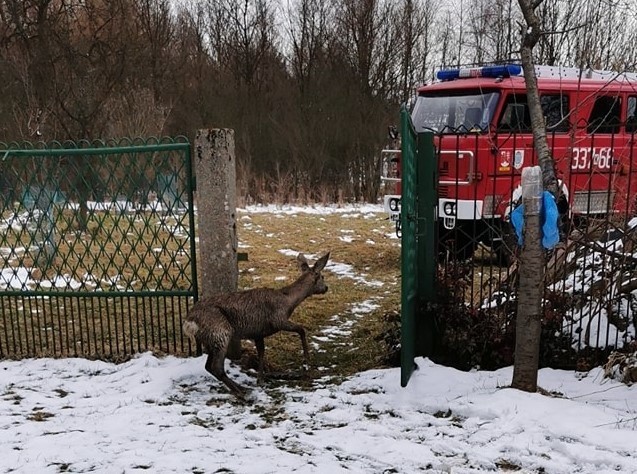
{"x": 622, "y": 366}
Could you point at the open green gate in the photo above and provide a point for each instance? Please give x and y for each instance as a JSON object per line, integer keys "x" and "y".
{"x": 418, "y": 253}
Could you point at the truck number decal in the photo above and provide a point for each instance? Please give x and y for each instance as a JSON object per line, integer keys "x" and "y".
{"x": 601, "y": 158}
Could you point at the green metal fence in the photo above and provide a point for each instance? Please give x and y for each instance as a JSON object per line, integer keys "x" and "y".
{"x": 418, "y": 250}
{"x": 97, "y": 247}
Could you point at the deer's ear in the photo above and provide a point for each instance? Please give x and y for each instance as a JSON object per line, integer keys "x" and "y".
{"x": 321, "y": 262}
{"x": 302, "y": 262}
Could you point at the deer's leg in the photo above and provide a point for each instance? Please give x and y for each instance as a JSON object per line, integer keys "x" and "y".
{"x": 214, "y": 365}
{"x": 260, "y": 344}
{"x": 300, "y": 330}
{"x": 217, "y": 345}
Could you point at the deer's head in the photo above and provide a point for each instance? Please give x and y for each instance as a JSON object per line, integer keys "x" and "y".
{"x": 319, "y": 286}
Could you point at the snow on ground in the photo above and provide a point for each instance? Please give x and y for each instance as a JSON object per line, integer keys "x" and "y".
{"x": 168, "y": 415}
{"x": 341, "y": 270}
{"x": 346, "y": 210}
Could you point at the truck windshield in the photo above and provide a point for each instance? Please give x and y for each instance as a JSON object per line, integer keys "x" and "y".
{"x": 454, "y": 113}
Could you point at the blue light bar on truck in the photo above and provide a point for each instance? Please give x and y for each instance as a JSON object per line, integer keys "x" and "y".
{"x": 505, "y": 70}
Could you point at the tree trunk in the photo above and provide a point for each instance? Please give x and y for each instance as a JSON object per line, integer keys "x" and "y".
{"x": 529, "y": 316}
{"x": 544, "y": 157}
{"x": 528, "y": 324}
{"x": 530, "y": 37}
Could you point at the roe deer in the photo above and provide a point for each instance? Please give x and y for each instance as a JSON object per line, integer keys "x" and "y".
{"x": 251, "y": 314}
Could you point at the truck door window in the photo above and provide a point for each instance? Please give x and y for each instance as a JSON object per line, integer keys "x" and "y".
{"x": 605, "y": 116}
{"x": 516, "y": 117}
{"x": 556, "y": 109}
{"x": 631, "y": 115}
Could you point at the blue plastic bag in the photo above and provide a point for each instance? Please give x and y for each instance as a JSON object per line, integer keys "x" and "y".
{"x": 517, "y": 219}
{"x": 550, "y": 215}
{"x": 548, "y": 218}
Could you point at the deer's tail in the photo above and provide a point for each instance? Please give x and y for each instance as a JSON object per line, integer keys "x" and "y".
{"x": 190, "y": 329}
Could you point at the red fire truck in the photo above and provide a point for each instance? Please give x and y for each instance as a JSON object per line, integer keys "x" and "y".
{"x": 482, "y": 135}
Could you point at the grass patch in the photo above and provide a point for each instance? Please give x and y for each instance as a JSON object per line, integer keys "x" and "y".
{"x": 346, "y": 336}
{"x": 39, "y": 415}
{"x": 11, "y": 396}
{"x": 61, "y": 392}
{"x": 343, "y": 326}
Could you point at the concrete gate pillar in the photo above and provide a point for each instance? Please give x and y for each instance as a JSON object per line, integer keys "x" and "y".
{"x": 215, "y": 171}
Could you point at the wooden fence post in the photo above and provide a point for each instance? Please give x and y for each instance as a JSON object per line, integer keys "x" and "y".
{"x": 215, "y": 171}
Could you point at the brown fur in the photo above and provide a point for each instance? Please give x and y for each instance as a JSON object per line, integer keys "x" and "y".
{"x": 252, "y": 314}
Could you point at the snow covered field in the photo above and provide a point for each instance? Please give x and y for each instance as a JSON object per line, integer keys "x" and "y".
{"x": 169, "y": 415}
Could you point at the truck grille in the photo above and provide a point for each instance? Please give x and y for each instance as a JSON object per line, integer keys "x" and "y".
{"x": 596, "y": 204}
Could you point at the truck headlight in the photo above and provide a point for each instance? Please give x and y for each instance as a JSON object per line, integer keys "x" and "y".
{"x": 449, "y": 208}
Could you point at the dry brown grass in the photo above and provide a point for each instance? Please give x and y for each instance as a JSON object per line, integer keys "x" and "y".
{"x": 343, "y": 340}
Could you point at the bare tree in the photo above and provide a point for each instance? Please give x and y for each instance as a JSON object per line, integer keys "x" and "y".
{"x": 242, "y": 35}
{"x": 529, "y": 314}
{"x": 446, "y": 39}
{"x": 415, "y": 35}
{"x": 157, "y": 33}
{"x": 27, "y": 34}
{"x": 306, "y": 128}
{"x": 366, "y": 40}
{"x": 559, "y": 22}
{"x": 308, "y": 32}
{"x": 491, "y": 30}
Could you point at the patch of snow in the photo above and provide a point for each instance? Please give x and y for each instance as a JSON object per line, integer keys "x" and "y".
{"x": 346, "y": 210}
{"x": 364, "y": 307}
{"x": 342, "y": 270}
{"x": 169, "y": 415}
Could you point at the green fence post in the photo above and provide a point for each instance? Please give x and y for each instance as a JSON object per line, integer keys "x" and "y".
{"x": 418, "y": 249}
{"x": 409, "y": 283}
{"x": 427, "y": 205}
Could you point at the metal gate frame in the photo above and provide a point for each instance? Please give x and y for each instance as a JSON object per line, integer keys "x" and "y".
{"x": 157, "y": 256}
{"x": 418, "y": 251}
